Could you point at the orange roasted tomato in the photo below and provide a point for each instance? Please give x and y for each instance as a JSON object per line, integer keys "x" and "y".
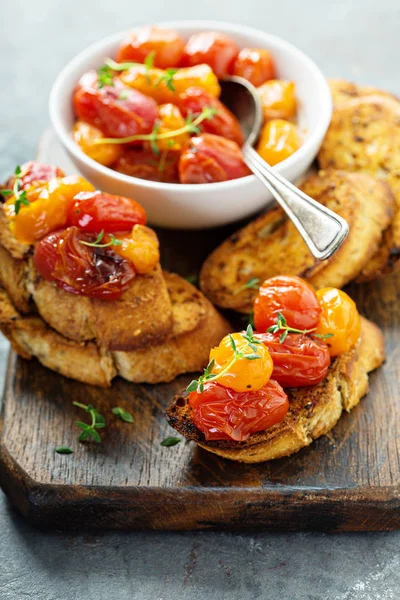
{"x": 166, "y": 45}
{"x": 213, "y": 48}
{"x": 48, "y": 208}
{"x": 210, "y": 158}
{"x": 279, "y": 139}
{"x": 223, "y": 414}
{"x": 299, "y": 360}
{"x": 170, "y": 119}
{"x": 278, "y": 99}
{"x": 223, "y": 123}
{"x": 166, "y": 86}
{"x": 254, "y": 64}
{"x": 291, "y": 296}
{"x": 97, "y": 272}
{"x": 34, "y": 173}
{"x": 140, "y": 247}
{"x": 339, "y": 317}
{"x": 98, "y": 211}
{"x": 85, "y": 136}
{"x": 118, "y": 111}
{"x": 146, "y": 165}
{"x": 242, "y": 374}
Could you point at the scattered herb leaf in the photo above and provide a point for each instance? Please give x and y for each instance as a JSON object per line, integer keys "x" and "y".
{"x": 171, "y": 441}
{"x": 251, "y": 284}
{"x": 122, "y": 414}
{"x": 64, "y": 450}
{"x": 193, "y": 279}
{"x": 89, "y": 431}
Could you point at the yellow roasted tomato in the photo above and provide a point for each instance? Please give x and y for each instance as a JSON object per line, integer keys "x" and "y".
{"x": 170, "y": 119}
{"x": 165, "y": 86}
{"x": 339, "y": 320}
{"x": 243, "y": 374}
{"x": 85, "y": 135}
{"x": 278, "y": 140}
{"x": 278, "y": 99}
{"x": 48, "y": 208}
{"x": 141, "y": 248}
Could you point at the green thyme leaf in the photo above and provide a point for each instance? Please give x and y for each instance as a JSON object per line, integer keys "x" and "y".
{"x": 122, "y": 414}
{"x": 63, "y": 450}
{"x": 170, "y": 441}
{"x": 192, "y": 387}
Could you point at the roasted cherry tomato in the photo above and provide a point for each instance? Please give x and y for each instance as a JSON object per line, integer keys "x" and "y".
{"x": 118, "y": 111}
{"x": 279, "y": 139}
{"x": 85, "y": 136}
{"x": 170, "y": 119}
{"x": 223, "y": 414}
{"x": 278, "y": 99}
{"x": 223, "y": 123}
{"x": 146, "y": 165}
{"x": 213, "y": 48}
{"x": 291, "y": 296}
{"x": 254, "y": 64}
{"x": 98, "y": 211}
{"x": 34, "y": 173}
{"x": 339, "y": 317}
{"x": 140, "y": 247}
{"x": 210, "y": 158}
{"x": 244, "y": 374}
{"x": 166, "y": 86}
{"x": 299, "y": 360}
{"x": 80, "y": 269}
{"x": 165, "y": 43}
{"x": 49, "y": 210}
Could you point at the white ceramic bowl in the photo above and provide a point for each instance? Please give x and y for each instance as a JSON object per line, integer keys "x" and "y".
{"x": 205, "y": 205}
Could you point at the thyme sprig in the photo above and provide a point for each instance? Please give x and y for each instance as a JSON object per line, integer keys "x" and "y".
{"x": 191, "y": 126}
{"x": 208, "y": 375}
{"x": 281, "y": 325}
{"x": 89, "y": 430}
{"x": 97, "y": 242}
{"x": 19, "y": 194}
{"x": 106, "y": 71}
{"x": 168, "y": 78}
{"x": 251, "y": 284}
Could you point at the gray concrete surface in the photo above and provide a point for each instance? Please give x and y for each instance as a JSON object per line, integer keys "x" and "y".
{"x": 356, "y": 39}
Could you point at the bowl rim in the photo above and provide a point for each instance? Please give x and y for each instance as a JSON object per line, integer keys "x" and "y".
{"x": 224, "y": 27}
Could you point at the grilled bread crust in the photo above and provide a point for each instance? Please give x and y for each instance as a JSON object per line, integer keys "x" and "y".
{"x": 197, "y": 326}
{"x": 313, "y": 411}
{"x": 271, "y": 245}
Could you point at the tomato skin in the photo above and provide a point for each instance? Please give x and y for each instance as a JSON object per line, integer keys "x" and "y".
{"x": 103, "y": 107}
{"x": 144, "y": 164}
{"x": 213, "y": 48}
{"x": 244, "y": 374}
{"x": 299, "y": 360}
{"x": 140, "y": 247}
{"x": 340, "y": 317}
{"x": 291, "y": 296}
{"x": 165, "y": 43}
{"x": 34, "y": 173}
{"x": 223, "y": 414}
{"x": 254, "y": 64}
{"x": 85, "y": 135}
{"x": 278, "y": 99}
{"x": 97, "y": 211}
{"x": 279, "y": 139}
{"x": 210, "y": 158}
{"x": 223, "y": 123}
{"x": 80, "y": 269}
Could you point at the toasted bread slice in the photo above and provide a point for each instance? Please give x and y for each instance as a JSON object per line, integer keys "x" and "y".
{"x": 197, "y": 326}
{"x": 271, "y": 244}
{"x": 364, "y": 136}
{"x": 343, "y": 91}
{"x": 313, "y": 411}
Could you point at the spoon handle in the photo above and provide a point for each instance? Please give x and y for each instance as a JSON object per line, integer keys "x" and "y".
{"x": 322, "y": 230}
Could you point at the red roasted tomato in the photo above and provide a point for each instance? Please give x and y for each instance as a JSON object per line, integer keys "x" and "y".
{"x": 299, "y": 360}
{"x": 212, "y": 48}
{"x": 210, "y": 158}
{"x": 223, "y": 123}
{"x": 146, "y": 165}
{"x": 254, "y": 64}
{"x": 97, "y": 211}
{"x": 117, "y": 115}
{"x": 80, "y": 269}
{"x": 33, "y": 172}
{"x": 292, "y": 297}
{"x": 165, "y": 43}
{"x": 223, "y": 414}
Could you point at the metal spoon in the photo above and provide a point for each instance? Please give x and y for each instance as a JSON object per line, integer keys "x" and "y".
{"x": 322, "y": 230}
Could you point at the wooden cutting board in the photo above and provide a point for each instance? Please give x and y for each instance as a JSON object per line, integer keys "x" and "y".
{"x": 347, "y": 481}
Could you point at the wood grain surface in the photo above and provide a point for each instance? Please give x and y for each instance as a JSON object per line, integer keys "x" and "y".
{"x": 347, "y": 481}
